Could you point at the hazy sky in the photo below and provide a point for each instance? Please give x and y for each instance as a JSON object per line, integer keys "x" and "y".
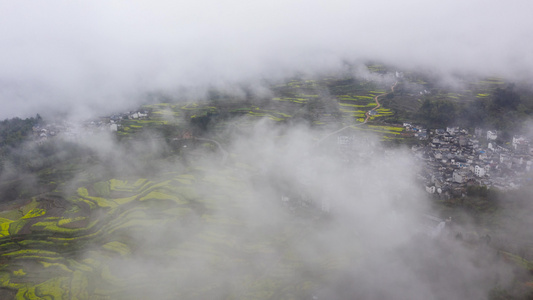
{"x": 100, "y": 55}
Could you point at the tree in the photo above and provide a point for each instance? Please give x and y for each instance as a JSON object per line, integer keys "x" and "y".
{"x": 505, "y": 99}
{"x": 439, "y": 113}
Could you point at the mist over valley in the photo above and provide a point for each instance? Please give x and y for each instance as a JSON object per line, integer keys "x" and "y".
{"x": 280, "y": 150}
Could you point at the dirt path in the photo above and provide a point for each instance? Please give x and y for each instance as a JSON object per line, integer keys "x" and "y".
{"x": 377, "y": 102}
{"x": 366, "y": 114}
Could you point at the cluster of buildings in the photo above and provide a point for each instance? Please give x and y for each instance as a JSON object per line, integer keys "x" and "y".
{"x": 43, "y": 132}
{"x": 455, "y": 159}
{"x": 73, "y": 131}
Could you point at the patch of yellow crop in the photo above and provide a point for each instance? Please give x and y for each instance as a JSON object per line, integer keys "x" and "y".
{"x": 102, "y": 202}
{"x": 190, "y": 106}
{"x": 387, "y": 128}
{"x": 53, "y": 227}
{"x": 58, "y": 265}
{"x": 289, "y": 99}
{"x": 36, "y": 212}
{"x": 31, "y": 252}
{"x": 19, "y": 272}
{"x": 4, "y": 228}
{"x": 139, "y": 182}
{"x": 83, "y": 192}
{"x": 353, "y": 105}
{"x": 69, "y": 220}
{"x": 118, "y": 247}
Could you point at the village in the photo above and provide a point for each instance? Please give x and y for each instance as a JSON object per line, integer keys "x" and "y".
{"x": 74, "y": 131}
{"x": 455, "y": 159}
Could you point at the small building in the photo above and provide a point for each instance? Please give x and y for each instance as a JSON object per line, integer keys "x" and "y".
{"x": 483, "y": 155}
{"x": 431, "y": 189}
{"x": 459, "y": 176}
{"x": 492, "y": 135}
{"x": 452, "y": 130}
{"x": 520, "y": 144}
{"x": 479, "y": 171}
{"x": 440, "y": 131}
{"x": 478, "y": 132}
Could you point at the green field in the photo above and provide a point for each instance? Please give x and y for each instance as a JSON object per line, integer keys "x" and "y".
{"x": 70, "y": 254}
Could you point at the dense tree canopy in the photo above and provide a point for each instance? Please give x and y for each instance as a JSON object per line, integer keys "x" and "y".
{"x": 14, "y": 131}
{"x": 505, "y": 111}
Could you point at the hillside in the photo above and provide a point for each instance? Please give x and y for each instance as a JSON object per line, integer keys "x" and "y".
{"x": 302, "y": 193}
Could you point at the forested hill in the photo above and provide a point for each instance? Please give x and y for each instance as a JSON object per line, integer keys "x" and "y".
{"x": 504, "y": 109}
{"x": 14, "y": 131}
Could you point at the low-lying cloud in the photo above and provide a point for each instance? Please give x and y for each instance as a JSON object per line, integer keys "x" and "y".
{"x": 102, "y": 56}
{"x": 275, "y": 234}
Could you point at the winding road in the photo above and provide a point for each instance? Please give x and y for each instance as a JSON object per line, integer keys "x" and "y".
{"x": 376, "y": 98}
{"x": 377, "y": 102}
{"x": 366, "y": 114}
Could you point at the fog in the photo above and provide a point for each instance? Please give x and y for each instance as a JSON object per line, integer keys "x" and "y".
{"x": 93, "y": 58}
{"x": 286, "y": 216}
{"x": 287, "y": 209}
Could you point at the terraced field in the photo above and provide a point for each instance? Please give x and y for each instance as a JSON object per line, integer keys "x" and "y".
{"x": 183, "y": 236}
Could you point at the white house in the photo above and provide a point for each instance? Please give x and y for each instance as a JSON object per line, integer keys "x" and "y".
{"x": 430, "y": 189}
{"x": 519, "y": 142}
{"x": 503, "y": 158}
{"x": 479, "y": 171}
{"x": 492, "y": 135}
{"x": 452, "y": 130}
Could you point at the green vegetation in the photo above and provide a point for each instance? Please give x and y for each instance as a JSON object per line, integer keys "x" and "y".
{"x": 153, "y": 209}
{"x": 14, "y": 131}
{"x": 75, "y": 214}
{"x": 503, "y": 109}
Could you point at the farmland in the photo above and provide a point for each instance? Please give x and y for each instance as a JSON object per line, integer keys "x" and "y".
{"x": 171, "y": 210}
{"x": 170, "y": 219}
